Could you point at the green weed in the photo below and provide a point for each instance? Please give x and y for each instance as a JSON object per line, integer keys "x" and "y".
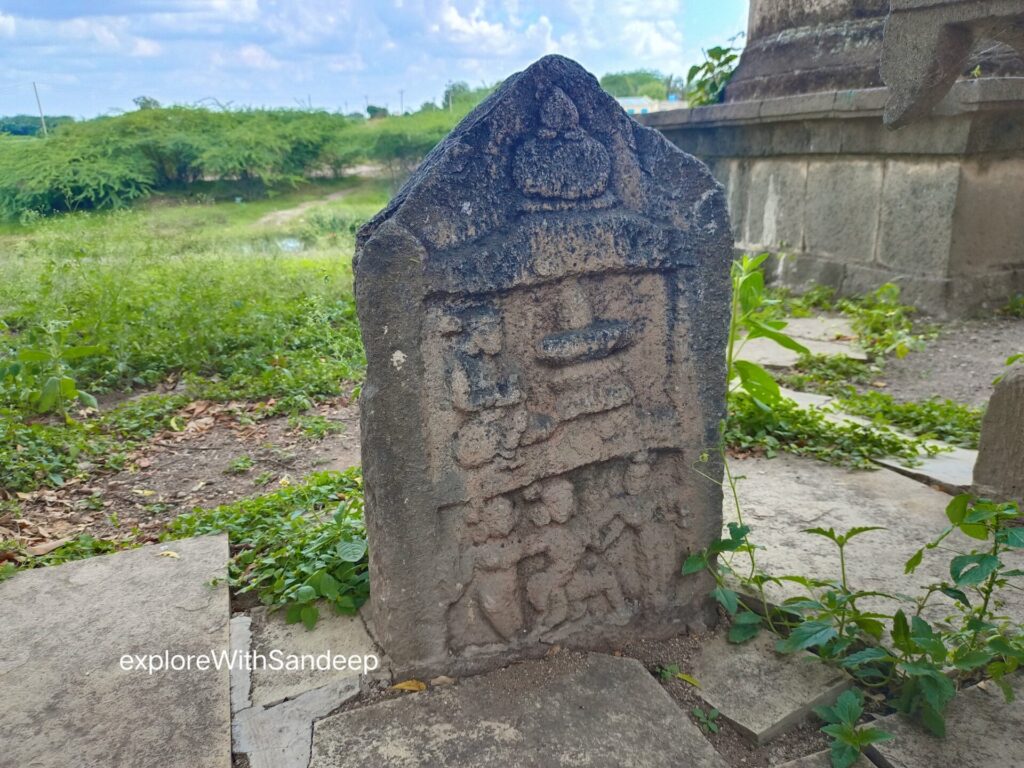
{"x": 944, "y": 420}
{"x": 296, "y": 546}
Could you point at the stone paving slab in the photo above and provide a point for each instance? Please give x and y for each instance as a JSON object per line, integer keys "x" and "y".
{"x": 782, "y": 496}
{"x": 569, "y": 710}
{"x": 279, "y": 736}
{"x": 762, "y": 692}
{"x": 982, "y": 731}
{"x": 821, "y": 328}
{"x": 767, "y": 352}
{"x": 334, "y": 634}
{"x": 953, "y": 471}
{"x": 822, "y": 760}
{"x": 65, "y": 699}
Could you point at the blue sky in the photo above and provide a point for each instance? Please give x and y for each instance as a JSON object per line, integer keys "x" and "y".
{"x": 93, "y": 56}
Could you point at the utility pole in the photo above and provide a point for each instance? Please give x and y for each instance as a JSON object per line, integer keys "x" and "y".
{"x": 42, "y": 117}
{"x": 401, "y": 101}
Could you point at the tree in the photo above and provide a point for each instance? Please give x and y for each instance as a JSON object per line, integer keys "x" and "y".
{"x": 637, "y": 82}
{"x": 146, "y": 102}
{"x": 376, "y": 112}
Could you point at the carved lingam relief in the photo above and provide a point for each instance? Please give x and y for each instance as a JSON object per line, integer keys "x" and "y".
{"x": 554, "y": 282}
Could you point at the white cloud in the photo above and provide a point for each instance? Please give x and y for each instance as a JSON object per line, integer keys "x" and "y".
{"x": 7, "y": 25}
{"x": 257, "y": 57}
{"x": 346, "y": 62}
{"x": 143, "y": 47}
{"x": 653, "y": 40}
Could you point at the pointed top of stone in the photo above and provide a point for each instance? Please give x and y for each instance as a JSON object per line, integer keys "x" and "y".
{"x": 548, "y": 138}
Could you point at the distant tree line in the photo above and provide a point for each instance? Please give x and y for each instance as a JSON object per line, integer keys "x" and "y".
{"x": 108, "y": 162}
{"x": 28, "y": 125}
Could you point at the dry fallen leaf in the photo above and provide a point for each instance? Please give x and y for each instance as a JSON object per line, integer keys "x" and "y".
{"x": 46, "y": 548}
{"x": 413, "y": 686}
{"x": 443, "y": 680}
{"x": 143, "y": 463}
{"x": 170, "y": 553}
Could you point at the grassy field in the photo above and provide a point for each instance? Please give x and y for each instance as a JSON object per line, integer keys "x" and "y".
{"x": 219, "y": 302}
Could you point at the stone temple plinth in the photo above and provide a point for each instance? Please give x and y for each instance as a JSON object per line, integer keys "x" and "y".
{"x": 814, "y": 176}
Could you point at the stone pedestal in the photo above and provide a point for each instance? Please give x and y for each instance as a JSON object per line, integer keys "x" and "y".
{"x": 545, "y": 308}
{"x": 814, "y": 176}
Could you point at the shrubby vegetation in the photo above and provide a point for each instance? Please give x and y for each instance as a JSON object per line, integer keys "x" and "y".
{"x": 112, "y": 161}
{"x": 193, "y": 295}
{"x": 30, "y": 125}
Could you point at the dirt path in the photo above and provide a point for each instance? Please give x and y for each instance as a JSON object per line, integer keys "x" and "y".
{"x": 959, "y": 365}
{"x": 277, "y": 218}
{"x": 215, "y": 460}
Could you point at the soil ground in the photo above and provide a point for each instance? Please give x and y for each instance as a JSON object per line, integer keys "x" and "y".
{"x": 960, "y": 364}
{"x": 216, "y": 459}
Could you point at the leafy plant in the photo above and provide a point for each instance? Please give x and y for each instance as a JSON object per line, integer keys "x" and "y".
{"x": 705, "y": 82}
{"x": 295, "y": 547}
{"x": 916, "y": 665}
{"x": 240, "y": 465}
{"x": 672, "y": 672}
{"x": 944, "y": 420}
{"x": 748, "y": 320}
{"x": 707, "y": 720}
{"x": 828, "y": 374}
{"x": 847, "y": 739}
{"x": 46, "y": 367}
{"x": 883, "y": 324}
{"x": 1015, "y": 306}
{"x": 314, "y": 426}
{"x": 808, "y": 432}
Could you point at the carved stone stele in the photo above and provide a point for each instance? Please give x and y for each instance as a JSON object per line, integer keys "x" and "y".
{"x": 544, "y": 307}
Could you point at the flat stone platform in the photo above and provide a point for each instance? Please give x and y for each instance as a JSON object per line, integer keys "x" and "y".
{"x": 65, "y": 699}
{"x": 570, "y": 710}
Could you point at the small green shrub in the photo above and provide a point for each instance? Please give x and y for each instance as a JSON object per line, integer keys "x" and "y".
{"x": 296, "y": 546}
{"x": 807, "y": 432}
{"x": 944, "y": 420}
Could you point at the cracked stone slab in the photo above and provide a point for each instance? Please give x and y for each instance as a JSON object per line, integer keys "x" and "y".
{"x": 762, "y": 692}
{"x": 569, "y": 710}
{"x": 241, "y": 677}
{"x": 782, "y": 496}
{"x": 279, "y": 736}
{"x": 66, "y": 700}
{"x": 334, "y": 634}
{"x": 982, "y": 731}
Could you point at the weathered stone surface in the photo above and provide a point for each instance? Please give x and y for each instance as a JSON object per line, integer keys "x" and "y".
{"x": 596, "y": 711}
{"x": 950, "y": 470}
{"x": 544, "y": 308}
{"x": 240, "y": 630}
{"x": 926, "y": 46}
{"x": 767, "y": 352}
{"x": 764, "y": 693}
{"x": 842, "y": 208}
{"x": 335, "y": 635}
{"x": 982, "y": 731}
{"x": 821, "y": 328}
{"x": 999, "y": 472}
{"x": 279, "y": 736}
{"x": 822, "y": 760}
{"x": 65, "y": 699}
